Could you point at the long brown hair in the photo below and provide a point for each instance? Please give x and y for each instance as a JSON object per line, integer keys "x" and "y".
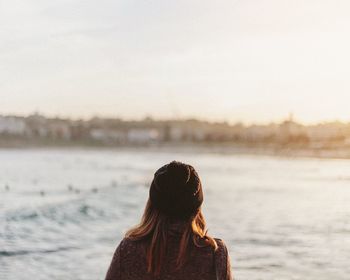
{"x": 154, "y": 226}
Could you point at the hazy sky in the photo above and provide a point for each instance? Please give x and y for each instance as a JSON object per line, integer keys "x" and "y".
{"x": 235, "y": 60}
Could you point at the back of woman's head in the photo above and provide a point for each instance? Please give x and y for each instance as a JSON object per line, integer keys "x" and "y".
{"x": 175, "y": 195}
{"x": 176, "y": 190}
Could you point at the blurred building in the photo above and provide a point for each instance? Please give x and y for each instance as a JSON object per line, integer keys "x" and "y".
{"x": 326, "y": 132}
{"x": 108, "y": 136}
{"x": 59, "y": 129}
{"x": 142, "y": 136}
{"x": 12, "y": 125}
{"x": 257, "y": 133}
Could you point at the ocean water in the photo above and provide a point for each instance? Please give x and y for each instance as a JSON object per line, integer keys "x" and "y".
{"x": 63, "y": 212}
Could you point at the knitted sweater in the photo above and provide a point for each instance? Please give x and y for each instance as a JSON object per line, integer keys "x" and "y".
{"x": 129, "y": 262}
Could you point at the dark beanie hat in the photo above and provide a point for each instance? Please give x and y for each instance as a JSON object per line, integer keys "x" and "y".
{"x": 176, "y": 190}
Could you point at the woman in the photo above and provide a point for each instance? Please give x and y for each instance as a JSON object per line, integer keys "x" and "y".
{"x": 171, "y": 242}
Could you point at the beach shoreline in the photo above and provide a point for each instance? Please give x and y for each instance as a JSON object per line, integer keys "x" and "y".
{"x": 212, "y": 148}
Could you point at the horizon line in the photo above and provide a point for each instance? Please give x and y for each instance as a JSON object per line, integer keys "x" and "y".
{"x": 289, "y": 117}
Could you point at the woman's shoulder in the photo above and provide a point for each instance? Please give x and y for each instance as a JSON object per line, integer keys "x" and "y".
{"x": 126, "y": 242}
{"x": 222, "y": 260}
{"x": 130, "y": 245}
{"x": 221, "y": 251}
{"x": 127, "y": 252}
{"x": 221, "y": 244}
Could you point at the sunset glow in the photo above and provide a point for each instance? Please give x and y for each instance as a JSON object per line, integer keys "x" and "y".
{"x": 250, "y": 61}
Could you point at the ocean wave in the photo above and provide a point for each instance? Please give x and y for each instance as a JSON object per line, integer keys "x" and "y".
{"x": 65, "y": 212}
{"x": 5, "y": 253}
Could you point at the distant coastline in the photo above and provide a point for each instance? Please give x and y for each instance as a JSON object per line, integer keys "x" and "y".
{"x": 288, "y": 138}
